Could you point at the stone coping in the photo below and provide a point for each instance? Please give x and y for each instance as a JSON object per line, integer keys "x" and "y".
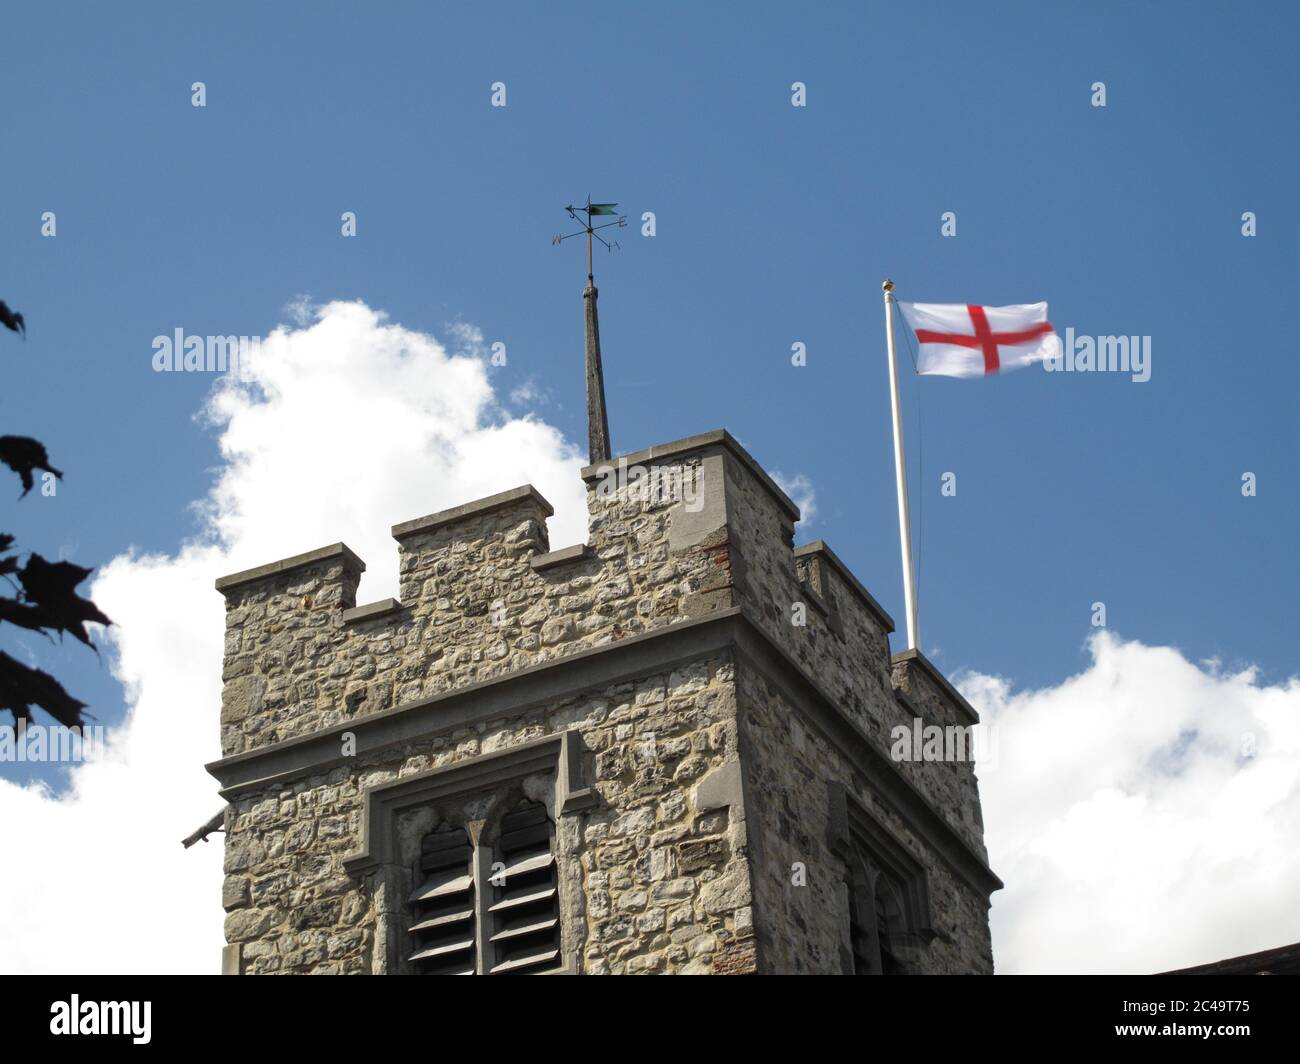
{"x": 334, "y": 551}
{"x": 716, "y": 438}
{"x": 472, "y": 509}
{"x": 939, "y": 679}
{"x": 577, "y": 552}
{"x": 819, "y": 547}
{"x": 371, "y": 610}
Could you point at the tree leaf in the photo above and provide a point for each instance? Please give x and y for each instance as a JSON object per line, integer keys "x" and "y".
{"x": 22, "y": 687}
{"x": 22, "y": 454}
{"x": 52, "y": 587}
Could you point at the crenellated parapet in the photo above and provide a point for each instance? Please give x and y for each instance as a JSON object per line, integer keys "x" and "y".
{"x": 482, "y": 594}
{"x": 699, "y": 706}
{"x": 676, "y": 532}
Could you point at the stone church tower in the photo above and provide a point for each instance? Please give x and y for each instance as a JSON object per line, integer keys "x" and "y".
{"x": 619, "y": 757}
{"x": 665, "y": 751}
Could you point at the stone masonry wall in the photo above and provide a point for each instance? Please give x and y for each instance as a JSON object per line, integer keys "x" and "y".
{"x": 803, "y": 927}
{"x": 844, "y": 646}
{"x": 652, "y": 879}
{"x": 473, "y": 607}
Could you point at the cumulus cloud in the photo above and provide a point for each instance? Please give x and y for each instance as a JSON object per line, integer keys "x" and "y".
{"x": 801, "y": 492}
{"x": 530, "y": 393}
{"x": 1144, "y": 814}
{"x": 342, "y": 425}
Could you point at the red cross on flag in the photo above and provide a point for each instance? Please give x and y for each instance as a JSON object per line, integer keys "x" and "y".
{"x": 966, "y": 340}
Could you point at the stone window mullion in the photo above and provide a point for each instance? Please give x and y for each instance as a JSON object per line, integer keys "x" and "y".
{"x": 482, "y": 899}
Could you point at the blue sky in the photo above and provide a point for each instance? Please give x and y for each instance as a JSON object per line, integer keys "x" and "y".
{"x": 774, "y": 225}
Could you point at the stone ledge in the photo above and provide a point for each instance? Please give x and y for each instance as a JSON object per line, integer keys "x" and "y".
{"x": 371, "y": 610}
{"x": 499, "y": 501}
{"x": 818, "y": 547}
{"x": 717, "y": 438}
{"x": 577, "y": 552}
{"x": 725, "y": 632}
{"x": 811, "y": 594}
{"x": 334, "y": 551}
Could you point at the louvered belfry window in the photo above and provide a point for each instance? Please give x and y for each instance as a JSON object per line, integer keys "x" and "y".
{"x": 444, "y": 905}
{"x": 493, "y": 910}
{"x": 524, "y": 910}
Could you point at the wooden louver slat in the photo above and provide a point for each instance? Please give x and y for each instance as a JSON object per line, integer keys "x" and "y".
{"x": 522, "y": 899}
{"x": 445, "y": 919}
{"x": 520, "y": 964}
{"x": 441, "y": 885}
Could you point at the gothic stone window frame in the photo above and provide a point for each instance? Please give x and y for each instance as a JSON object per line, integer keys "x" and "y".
{"x": 497, "y": 780}
{"x": 486, "y": 899}
{"x": 885, "y": 884}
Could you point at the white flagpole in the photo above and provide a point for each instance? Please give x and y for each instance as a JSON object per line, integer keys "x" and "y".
{"x": 900, "y": 475}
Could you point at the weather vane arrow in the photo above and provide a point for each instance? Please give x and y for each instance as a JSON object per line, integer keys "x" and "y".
{"x": 593, "y": 210}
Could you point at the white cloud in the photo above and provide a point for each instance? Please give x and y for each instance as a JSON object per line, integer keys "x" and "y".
{"x": 530, "y": 393}
{"x": 1131, "y": 833}
{"x": 301, "y": 309}
{"x": 1144, "y": 814}
{"x": 469, "y": 338}
{"x": 345, "y": 425}
{"x": 801, "y": 492}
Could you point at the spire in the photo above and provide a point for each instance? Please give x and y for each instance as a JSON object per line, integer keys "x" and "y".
{"x": 597, "y": 420}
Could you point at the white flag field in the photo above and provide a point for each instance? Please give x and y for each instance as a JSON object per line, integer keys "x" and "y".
{"x": 967, "y": 340}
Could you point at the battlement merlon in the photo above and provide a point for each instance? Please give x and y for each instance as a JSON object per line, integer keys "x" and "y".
{"x": 817, "y": 562}
{"x": 699, "y": 511}
{"x": 309, "y": 587}
{"x": 920, "y": 681}
{"x": 701, "y": 445}
{"x": 336, "y": 556}
{"x": 508, "y": 525}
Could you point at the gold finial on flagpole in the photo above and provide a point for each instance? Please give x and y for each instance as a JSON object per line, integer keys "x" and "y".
{"x": 887, "y": 285}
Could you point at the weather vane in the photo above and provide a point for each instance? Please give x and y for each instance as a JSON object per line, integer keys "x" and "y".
{"x": 593, "y": 210}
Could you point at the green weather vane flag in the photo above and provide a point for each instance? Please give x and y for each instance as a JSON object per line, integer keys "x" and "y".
{"x": 593, "y": 210}
{"x": 597, "y": 420}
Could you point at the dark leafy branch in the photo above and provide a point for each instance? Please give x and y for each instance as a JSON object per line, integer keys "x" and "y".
{"x": 23, "y": 455}
{"x": 12, "y": 320}
{"x": 22, "y": 687}
{"x": 44, "y": 594}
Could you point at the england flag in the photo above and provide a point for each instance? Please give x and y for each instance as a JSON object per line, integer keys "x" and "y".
{"x": 966, "y": 340}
